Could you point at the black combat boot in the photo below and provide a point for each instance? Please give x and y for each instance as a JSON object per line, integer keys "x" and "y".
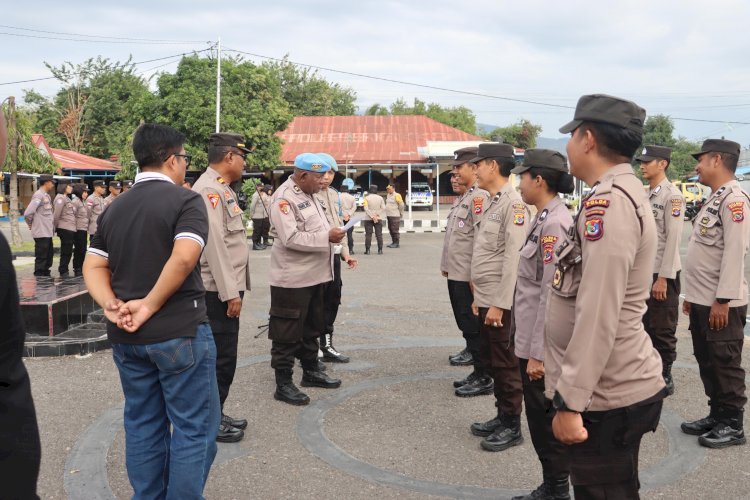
{"x": 464, "y": 358}
{"x": 77, "y": 272}
{"x": 315, "y": 378}
{"x": 393, "y": 245}
{"x": 367, "y": 251}
{"x": 558, "y": 487}
{"x": 237, "y": 423}
{"x": 329, "y": 352}
{"x": 666, "y": 372}
{"x": 258, "y": 246}
{"x": 727, "y": 432}
{"x": 540, "y": 493}
{"x": 482, "y": 385}
{"x": 286, "y": 391}
{"x": 380, "y": 250}
{"x": 701, "y": 426}
{"x": 227, "y": 433}
{"x": 508, "y": 434}
{"x": 484, "y": 429}
{"x": 469, "y": 379}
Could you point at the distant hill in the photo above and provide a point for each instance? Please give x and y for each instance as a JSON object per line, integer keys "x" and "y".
{"x": 554, "y": 144}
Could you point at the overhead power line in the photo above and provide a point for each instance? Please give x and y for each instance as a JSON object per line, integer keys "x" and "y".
{"x": 82, "y": 35}
{"x": 85, "y": 40}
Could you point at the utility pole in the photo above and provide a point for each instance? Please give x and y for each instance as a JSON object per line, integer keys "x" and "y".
{"x": 15, "y": 231}
{"x": 218, "y": 87}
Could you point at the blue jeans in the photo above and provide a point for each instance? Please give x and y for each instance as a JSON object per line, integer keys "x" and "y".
{"x": 172, "y": 382}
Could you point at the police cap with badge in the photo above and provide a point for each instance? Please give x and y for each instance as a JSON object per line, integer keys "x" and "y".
{"x": 115, "y": 184}
{"x": 652, "y": 152}
{"x": 330, "y": 160}
{"x": 602, "y": 108}
{"x": 717, "y": 146}
{"x": 99, "y": 184}
{"x": 225, "y": 139}
{"x": 492, "y": 151}
{"x": 464, "y": 155}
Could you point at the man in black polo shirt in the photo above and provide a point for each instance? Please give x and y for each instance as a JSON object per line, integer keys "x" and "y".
{"x": 142, "y": 268}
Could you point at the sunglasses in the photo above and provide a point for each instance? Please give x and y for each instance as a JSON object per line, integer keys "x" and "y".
{"x": 188, "y": 158}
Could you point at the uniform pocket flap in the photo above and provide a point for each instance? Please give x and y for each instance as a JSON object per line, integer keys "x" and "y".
{"x": 284, "y": 312}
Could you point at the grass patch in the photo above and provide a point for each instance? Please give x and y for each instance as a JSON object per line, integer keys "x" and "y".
{"x": 28, "y": 246}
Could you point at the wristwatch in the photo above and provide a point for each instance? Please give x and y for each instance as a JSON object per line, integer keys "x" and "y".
{"x": 723, "y": 301}
{"x": 558, "y": 403}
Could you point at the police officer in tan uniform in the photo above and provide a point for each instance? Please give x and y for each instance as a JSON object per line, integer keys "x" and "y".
{"x": 330, "y": 201}
{"x": 82, "y": 225}
{"x": 394, "y": 210}
{"x": 39, "y": 217}
{"x": 115, "y": 187}
{"x": 349, "y": 207}
{"x": 95, "y": 205}
{"x": 373, "y": 221}
{"x": 668, "y": 207}
{"x": 259, "y": 215}
{"x": 716, "y": 294}
{"x": 494, "y": 267}
{"x": 543, "y": 175}
{"x": 65, "y": 225}
{"x": 301, "y": 266}
{"x": 601, "y": 370}
{"x": 225, "y": 267}
{"x": 458, "y": 247}
{"x": 126, "y": 185}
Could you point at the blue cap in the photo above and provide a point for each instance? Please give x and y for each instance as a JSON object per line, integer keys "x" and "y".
{"x": 312, "y": 163}
{"x": 330, "y": 160}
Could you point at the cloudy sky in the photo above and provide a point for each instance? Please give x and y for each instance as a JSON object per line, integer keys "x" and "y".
{"x": 687, "y": 59}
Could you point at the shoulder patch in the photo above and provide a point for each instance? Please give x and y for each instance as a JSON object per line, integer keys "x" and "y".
{"x": 213, "y": 199}
{"x": 478, "y": 205}
{"x": 676, "y": 207}
{"x": 284, "y": 206}
{"x": 737, "y": 209}
{"x": 548, "y": 247}
{"x": 596, "y": 202}
{"x": 594, "y": 228}
{"x": 596, "y": 211}
{"x": 519, "y": 214}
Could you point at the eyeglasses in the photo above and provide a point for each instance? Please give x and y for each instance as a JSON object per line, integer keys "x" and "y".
{"x": 188, "y": 158}
{"x": 241, "y": 155}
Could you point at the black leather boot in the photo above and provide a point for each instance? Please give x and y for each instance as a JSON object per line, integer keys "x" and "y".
{"x": 482, "y": 385}
{"x": 286, "y": 391}
{"x": 484, "y": 429}
{"x": 393, "y": 245}
{"x": 469, "y": 379}
{"x": 727, "y": 432}
{"x": 367, "y": 251}
{"x": 558, "y": 487}
{"x": 315, "y": 378}
{"x": 508, "y": 434}
{"x": 540, "y": 493}
{"x": 227, "y": 433}
{"x": 701, "y": 426}
{"x": 380, "y": 251}
{"x": 237, "y": 423}
{"x": 329, "y": 352}
{"x": 666, "y": 372}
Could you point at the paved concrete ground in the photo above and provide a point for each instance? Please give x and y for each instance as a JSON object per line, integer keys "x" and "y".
{"x": 393, "y": 430}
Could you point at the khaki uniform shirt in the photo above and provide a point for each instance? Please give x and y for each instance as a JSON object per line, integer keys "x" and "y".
{"x": 374, "y": 207}
{"x": 259, "y": 206}
{"x": 462, "y": 225}
{"x": 301, "y": 254}
{"x": 348, "y": 204}
{"x": 499, "y": 235}
{"x": 82, "y": 214}
{"x": 394, "y": 205}
{"x": 535, "y": 271}
{"x": 598, "y": 355}
{"x": 225, "y": 261}
{"x": 715, "y": 260}
{"x": 109, "y": 199}
{"x": 39, "y": 215}
{"x": 334, "y": 211}
{"x": 64, "y": 213}
{"x": 95, "y": 205}
{"x": 668, "y": 207}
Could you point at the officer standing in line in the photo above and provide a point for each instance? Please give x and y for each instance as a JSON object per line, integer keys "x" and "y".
{"x": 394, "y": 210}
{"x": 225, "y": 267}
{"x": 301, "y": 266}
{"x": 494, "y": 267}
{"x": 334, "y": 211}
{"x": 114, "y": 191}
{"x": 126, "y": 185}
{"x": 668, "y": 207}
{"x": 543, "y": 175}
{"x": 39, "y": 217}
{"x": 349, "y": 207}
{"x": 716, "y": 294}
{"x": 601, "y": 370}
{"x": 65, "y": 225}
{"x": 374, "y": 214}
{"x": 82, "y": 225}
{"x": 259, "y": 215}
{"x": 95, "y": 205}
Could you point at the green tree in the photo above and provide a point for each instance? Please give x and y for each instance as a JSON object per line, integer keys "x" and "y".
{"x": 459, "y": 117}
{"x": 251, "y": 104}
{"x": 522, "y": 134}
{"x": 659, "y": 130}
{"x": 308, "y": 94}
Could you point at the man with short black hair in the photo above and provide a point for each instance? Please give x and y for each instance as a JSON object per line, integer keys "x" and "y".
{"x": 115, "y": 187}
{"x": 601, "y": 371}
{"x": 95, "y": 205}
{"x": 259, "y": 214}
{"x": 142, "y": 269}
{"x": 716, "y": 294}
{"x": 39, "y": 216}
{"x": 668, "y": 207}
{"x": 65, "y": 225}
{"x": 394, "y": 210}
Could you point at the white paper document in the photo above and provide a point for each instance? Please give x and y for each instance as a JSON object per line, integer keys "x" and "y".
{"x": 351, "y": 223}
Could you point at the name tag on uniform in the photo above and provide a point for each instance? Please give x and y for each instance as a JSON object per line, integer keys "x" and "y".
{"x": 303, "y": 205}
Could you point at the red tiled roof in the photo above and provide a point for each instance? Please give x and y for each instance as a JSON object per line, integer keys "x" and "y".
{"x": 70, "y": 160}
{"x": 366, "y": 139}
